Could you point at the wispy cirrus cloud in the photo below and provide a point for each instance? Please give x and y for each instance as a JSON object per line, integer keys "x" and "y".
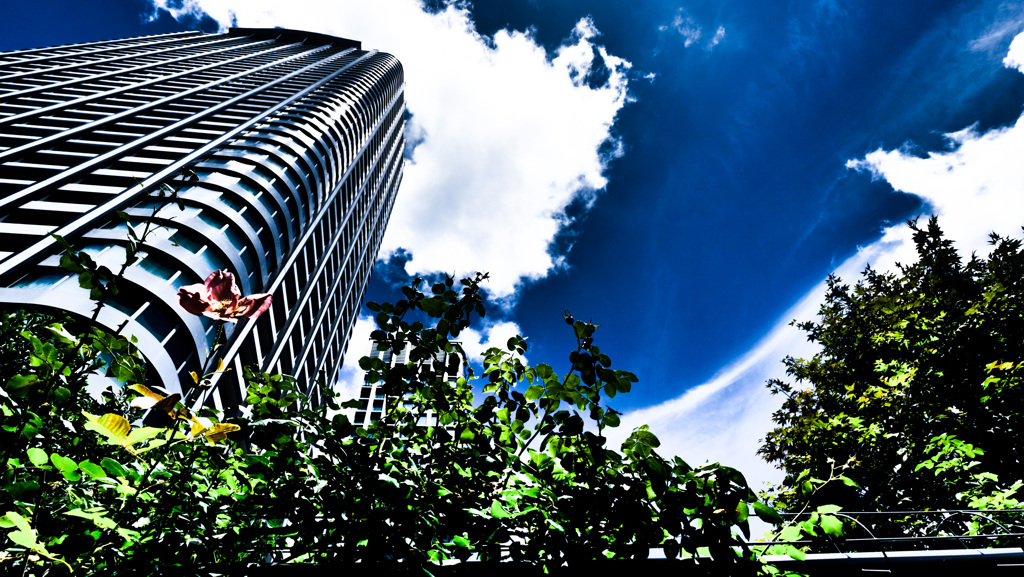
{"x": 974, "y": 186}
{"x": 506, "y": 134}
{"x": 692, "y": 31}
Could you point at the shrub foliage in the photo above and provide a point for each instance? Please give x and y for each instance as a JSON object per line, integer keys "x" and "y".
{"x": 517, "y": 469}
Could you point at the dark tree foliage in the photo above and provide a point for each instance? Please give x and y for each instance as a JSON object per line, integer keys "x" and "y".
{"x": 916, "y": 387}
{"x": 523, "y": 474}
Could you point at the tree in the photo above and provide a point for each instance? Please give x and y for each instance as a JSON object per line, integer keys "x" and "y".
{"x": 916, "y": 390}
{"x": 522, "y": 474}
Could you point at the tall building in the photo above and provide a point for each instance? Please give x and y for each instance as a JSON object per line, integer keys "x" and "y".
{"x": 296, "y": 140}
{"x": 374, "y": 396}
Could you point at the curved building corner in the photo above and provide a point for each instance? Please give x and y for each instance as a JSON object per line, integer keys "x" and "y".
{"x": 296, "y": 140}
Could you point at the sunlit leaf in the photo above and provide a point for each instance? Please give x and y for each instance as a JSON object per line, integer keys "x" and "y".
{"x": 114, "y": 427}
{"x": 17, "y": 521}
{"x": 63, "y": 464}
{"x": 92, "y": 469}
{"x": 534, "y": 392}
{"x": 791, "y": 533}
{"x": 832, "y": 525}
{"x": 145, "y": 391}
{"x": 142, "y": 434}
{"x": 38, "y": 457}
{"x": 219, "y": 432}
{"x": 497, "y": 511}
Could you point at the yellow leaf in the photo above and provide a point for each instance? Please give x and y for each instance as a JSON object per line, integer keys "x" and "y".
{"x": 195, "y": 377}
{"x": 199, "y": 424}
{"x": 144, "y": 390}
{"x": 156, "y": 402}
{"x": 113, "y": 427}
{"x": 220, "y": 364}
{"x": 219, "y": 432}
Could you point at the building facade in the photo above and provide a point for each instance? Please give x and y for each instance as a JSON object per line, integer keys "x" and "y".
{"x": 285, "y": 147}
{"x": 374, "y": 396}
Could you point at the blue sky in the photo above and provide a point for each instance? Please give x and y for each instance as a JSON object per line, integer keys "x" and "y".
{"x": 686, "y": 174}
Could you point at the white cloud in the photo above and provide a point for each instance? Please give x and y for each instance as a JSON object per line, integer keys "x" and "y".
{"x": 475, "y": 342}
{"x": 1015, "y": 57}
{"x": 687, "y": 27}
{"x": 691, "y": 30}
{"x": 719, "y": 35}
{"x": 511, "y": 134}
{"x": 992, "y": 38}
{"x": 351, "y": 377}
{"x": 975, "y": 188}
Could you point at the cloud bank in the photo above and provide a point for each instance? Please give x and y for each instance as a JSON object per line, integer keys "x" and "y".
{"x": 974, "y": 186}
{"x": 507, "y": 135}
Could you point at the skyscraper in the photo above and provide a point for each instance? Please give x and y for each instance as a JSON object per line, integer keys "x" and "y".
{"x": 296, "y": 140}
{"x": 374, "y": 396}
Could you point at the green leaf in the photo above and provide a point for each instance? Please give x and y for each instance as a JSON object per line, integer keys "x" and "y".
{"x": 142, "y": 434}
{"x": 829, "y": 509}
{"x": 832, "y": 525}
{"x": 23, "y": 489}
{"x": 18, "y": 521}
{"x": 497, "y": 511}
{"x": 795, "y": 553}
{"x": 647, "y": 438}
{"x": 38, "y": 457}
{"x": 63, "y": 463}
{"x": 849, "y": 482}
{"x": 461, "y": 541}
{"x": 433, "y": 306}
{"x": 742, "y": 512}
{"x": 611, "y": 420}
{"x": 766, "y": 513}
{"x": 61, "y": 395}
{"x": 791, "y": 533}
{"x": 545, "y": 372}
{"x": 92, "y": 469}
{"x": 18, "y": 383}
{"x": 114, "y": 468}
{"x": 503, "y": 415}
{"x": 534, "y": 392}
{"x": 97, "y": 515}
{"x": 26, "y": 539}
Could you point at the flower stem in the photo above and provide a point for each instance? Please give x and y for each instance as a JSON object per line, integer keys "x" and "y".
{"x": 206, "y": 364}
